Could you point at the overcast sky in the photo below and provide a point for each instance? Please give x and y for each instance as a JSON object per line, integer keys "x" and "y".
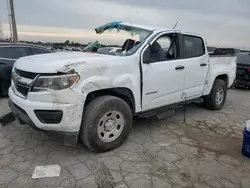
{"x": 222, "y": 22}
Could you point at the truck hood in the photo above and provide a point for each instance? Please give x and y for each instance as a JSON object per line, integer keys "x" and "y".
{"x": 51, "y": 63}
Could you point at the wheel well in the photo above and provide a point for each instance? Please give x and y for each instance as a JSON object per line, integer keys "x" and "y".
{"x": 223, "y": 77}
{"x": 123, "y": 93}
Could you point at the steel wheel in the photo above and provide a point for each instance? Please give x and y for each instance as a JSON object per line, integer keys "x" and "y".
{"x": 219, "y": 96}
{"x": 107, "y": 122}
{"x": 110, "y": 126}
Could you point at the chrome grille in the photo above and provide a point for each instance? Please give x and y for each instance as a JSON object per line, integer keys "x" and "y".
{"x": 25, "y": 74}
{"x": 22, "y": 88}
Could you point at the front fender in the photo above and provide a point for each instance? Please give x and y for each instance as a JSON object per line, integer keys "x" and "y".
{"x": 101, "y": 82}
{"x": 96, "y": 83}
{"x": 119, "y": 72}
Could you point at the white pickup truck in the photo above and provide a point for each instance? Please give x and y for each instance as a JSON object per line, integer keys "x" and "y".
{"x": 94, "y": 96}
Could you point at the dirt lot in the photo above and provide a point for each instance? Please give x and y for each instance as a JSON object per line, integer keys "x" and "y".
{"x": 203, "y": 152}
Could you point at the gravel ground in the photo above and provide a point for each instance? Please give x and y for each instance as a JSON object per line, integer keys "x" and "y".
{"x": 203, "y": 152}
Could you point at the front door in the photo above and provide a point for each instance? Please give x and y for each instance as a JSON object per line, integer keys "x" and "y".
{"x": 163, "y": 72}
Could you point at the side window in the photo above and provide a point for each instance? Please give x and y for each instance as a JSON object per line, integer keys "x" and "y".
{"x": 5, "y": 52}
{"x": 22, "y": 52}
{"x": 39, "y": 51}
{"x": 14, "y": 52}
{"x": 194, "y": 46}
{"x": 163, "y": 49}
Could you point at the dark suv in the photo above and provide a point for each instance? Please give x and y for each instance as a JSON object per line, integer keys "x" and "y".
{"x": 9, "y": 53}
{"x": 243, "y": 70}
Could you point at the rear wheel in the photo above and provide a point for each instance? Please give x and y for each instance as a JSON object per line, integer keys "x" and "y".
{"x": 107, "y": 122}
{"x": 217, "y": 97}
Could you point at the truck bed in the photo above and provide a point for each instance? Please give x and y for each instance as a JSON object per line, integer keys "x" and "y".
{"x": 223, "y": 64}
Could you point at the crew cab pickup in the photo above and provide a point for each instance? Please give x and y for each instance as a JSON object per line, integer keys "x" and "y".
{"x": 94, "y": 95}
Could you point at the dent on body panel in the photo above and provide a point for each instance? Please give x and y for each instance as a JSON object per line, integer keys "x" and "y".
{"x": 208, "y": 86}
{"x": 75, "y": 112}
{"x": 88, "y": 84}
{"x": 101, "y": 82}
{"x": 74, "y": 109}
{"x": 71, "y": 68}
{"x": 95, "y": 83}
{"x": 101, "y": 70}
{"x": 125, "y": 80}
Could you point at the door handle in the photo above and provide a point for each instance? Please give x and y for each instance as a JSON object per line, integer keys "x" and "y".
{"x": 203, "y": 64}
{"x": 180, "y": 67}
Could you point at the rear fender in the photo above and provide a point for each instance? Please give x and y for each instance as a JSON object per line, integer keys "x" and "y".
{"x": 210, "y": 82}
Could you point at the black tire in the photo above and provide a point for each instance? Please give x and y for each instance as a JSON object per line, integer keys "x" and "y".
{"x": 210, "y": 100}
{"x": 92, "y": 115}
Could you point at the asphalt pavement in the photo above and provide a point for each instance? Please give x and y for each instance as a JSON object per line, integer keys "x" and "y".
{"x": 203, "y": 152}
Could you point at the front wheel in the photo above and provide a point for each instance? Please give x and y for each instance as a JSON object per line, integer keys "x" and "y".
{"x": 217, "y": 97}
{"x": 107, "y": 122}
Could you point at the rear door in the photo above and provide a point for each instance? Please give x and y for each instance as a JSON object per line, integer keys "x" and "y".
{"x": 196, "y": 65}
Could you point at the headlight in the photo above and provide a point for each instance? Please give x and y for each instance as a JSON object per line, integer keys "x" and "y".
{"x": 43, "y": 83}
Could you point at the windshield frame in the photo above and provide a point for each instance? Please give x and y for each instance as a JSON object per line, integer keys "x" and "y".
{"x": 132, "y": 30}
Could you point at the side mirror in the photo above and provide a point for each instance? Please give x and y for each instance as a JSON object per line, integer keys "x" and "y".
{"x": 147, "y": 55}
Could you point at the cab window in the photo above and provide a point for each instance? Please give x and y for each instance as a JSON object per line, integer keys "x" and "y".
{"x": 194, "y": 46}
{"x": 163, "y": 49}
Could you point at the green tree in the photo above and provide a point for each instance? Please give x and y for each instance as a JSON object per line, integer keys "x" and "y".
{"x": 67, "y": 42}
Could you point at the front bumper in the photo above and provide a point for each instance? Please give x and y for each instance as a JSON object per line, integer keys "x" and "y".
{"x": 67, "y": 139}
{"x": 66, "y": 130}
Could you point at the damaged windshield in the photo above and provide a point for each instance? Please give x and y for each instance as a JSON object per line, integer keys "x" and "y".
{"x": 118, "y": 39}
